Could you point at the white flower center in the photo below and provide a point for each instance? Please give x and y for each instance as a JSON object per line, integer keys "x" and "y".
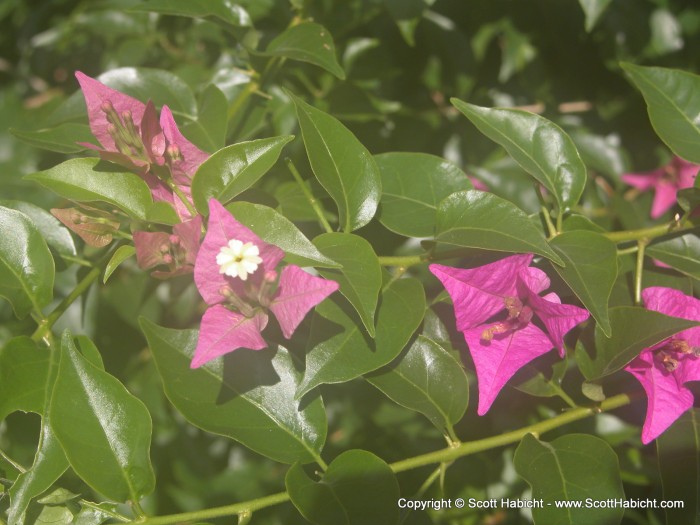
{"x": 237, "y": 259}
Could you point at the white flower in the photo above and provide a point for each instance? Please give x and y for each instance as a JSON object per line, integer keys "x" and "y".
{"x": 238, "y": 259}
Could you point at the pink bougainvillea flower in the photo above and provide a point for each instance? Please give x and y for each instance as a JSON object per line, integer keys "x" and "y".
{"x": 176, "y": 251}
{"x": 236, "y": 274}
{"x": 664, "y": 369}
{"x": 131, "y": 134}
{"x": 495, "y": 305}
{"x": 665, "y": 181}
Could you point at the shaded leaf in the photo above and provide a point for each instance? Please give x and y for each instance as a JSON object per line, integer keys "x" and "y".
{"x": 341, "y": 164}
{"x": 593, "y": 9}
{"x": 678, "y": 450}
{"x": 360, "y": 277}
{"x": 476, "y": 219}
{"x": 24, "y": 369}
{"x": 428, "y": 379}
{"x": 222, "y": 9}
{"x": 413, "y": 184}
{"x": 308, "y": 42}
{"x": 62, "y": 139}
{"x": 590, "y": 271}
{"x": 247, "y": 396}
{"x": 57, "y": 237}
{"x": 26, "y": 266}
{"x": 541, "y": 147}
{"x": 340, "y": 351}
{"x": 573, "y": 467}
{"x": 357, "y": 489}
{"x": 681, "y": 253}
{"x": 234, "y": 169}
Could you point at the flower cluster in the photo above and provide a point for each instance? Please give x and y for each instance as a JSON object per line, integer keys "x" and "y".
{"x": 495, "y": 306}
{"x": 665, "y": 181}
{"x": 664, "y": 369}
{"x": 236, "y": 274}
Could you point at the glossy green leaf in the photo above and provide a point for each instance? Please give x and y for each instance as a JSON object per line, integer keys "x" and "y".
{"x": 593, "y": 9}
{"x": 234, "y": 169}
{"x": 477, "y": 219}
{"x": 360, "y": 278}
{"x": 162, "y": 212}
{"x": 308, "y": 42}
{"x": 224, "y": 10}
{"x": 673, "y": 104}
{"x": 24, "y": 368}
{"x": 590, "y": 271}
{"x": 49, "y": 464}
{"x": 357, "y": 489}
{"x": 56, "y": 235}
{"x": 541, "y": 147}
{"x": 341, "y": 351}
{"x": 90, "y": 180}
{"x": 428, "y": 379}
{"x": 209, "y": 130}
{"x": 678, "y": 450}
{"x": 413, "y": 184}
{"x": 26, "y": 266}
{"x": 573, "y": 467}
{"x": 542, "y": 378}
{"x": 105, "y": 431}
{"x": 119, "y": 256}
{"x": 604, "y": 154}
{"x": 54, "y": 515}
{"x": 633, "y": 329}
{"x": 62, "y": 139}
{"x": 276, "y": 229}
{"x": 682, "y": 253}
{"x": 341, "y": 164}
{"x": 247, "y": 396}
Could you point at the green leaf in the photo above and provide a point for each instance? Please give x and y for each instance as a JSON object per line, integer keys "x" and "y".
{"x": 678, "y": 450}
{"x": 276, "y": 229}
{"x": 541, "y": 147}
{"x": 247, "y": 396}
{"x": 428, "y": 379}
{"x": 224, "y": 10}
{"x": 633, "y": 329}
{"x": 307, "y": 42}
{"x": 341, "y": 164}
{"x": 340, "y": 351}
{"x": 533, "y": 380}
{"x": 682, "y": 253}
{"x": 119, "y": 256}
{"x": 673, "y": 106}
{"x": 62, "y": 139}
{"x": 590, "y": 271}
{"x": 56, "y": 235}
{"x": 26, "y": 266}
{"x": 103, "y": 429}
{"x": 209, "y": 130}
{"x": 162, "y": 213}
{"x": 573, "y": 467}
{"x": 360, "y": 278}
{"x": 357, "y": 489}
{"x": 24, "y": 368}
{"x": 234, "y": 169}
{"x": 593, "y": 10}
{"x": 51, "y": 515}
{"x": 91, "y": 180}
{"x": 477, "y": 219}
{"x": 413, "y": 184}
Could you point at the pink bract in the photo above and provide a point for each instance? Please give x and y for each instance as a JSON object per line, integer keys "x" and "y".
{"x": 236, "y": 316}
{"x": 664, "y": 369}
{"x": 665, "y": 182}
{"x": 494, "y": 305}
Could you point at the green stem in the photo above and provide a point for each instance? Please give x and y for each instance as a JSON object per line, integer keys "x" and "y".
{"x": 309, "y": 196}
{"x": 218, "y": 512}
{"x": 405, "y": 261}
{"x": 106, "y": 512}
{"x": 548, "y": 221}
{"x": 472, "y": 447}
{"x": 627, "y": 251}
{"x": 643, "y": 233}
{"x": 445, "y": 455}
{"x": 19, "y": 468}
{"x": 639, "y": 269}
{"x": 177, "y": 191}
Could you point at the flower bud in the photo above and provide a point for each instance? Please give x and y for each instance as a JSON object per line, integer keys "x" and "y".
{"x": 270, "y": 276}
{"x": 167, "y": 258}
{"x": 174, "y": 239}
